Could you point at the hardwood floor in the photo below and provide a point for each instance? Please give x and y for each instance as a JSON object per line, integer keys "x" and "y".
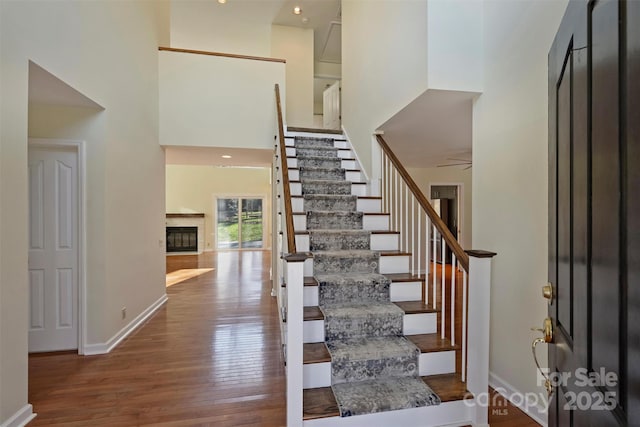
{"x": 210, "y": 357}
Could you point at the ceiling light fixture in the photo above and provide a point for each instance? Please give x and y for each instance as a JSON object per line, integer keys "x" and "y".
{"x": 297, "y": 10}
{"x": 222, "y": 1}
{"x": 226, "y": 156}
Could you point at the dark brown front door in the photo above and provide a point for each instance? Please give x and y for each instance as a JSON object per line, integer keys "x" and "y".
{"x": 594, "y": 213}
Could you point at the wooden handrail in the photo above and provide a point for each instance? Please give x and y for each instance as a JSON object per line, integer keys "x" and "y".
{"x": 462, "y": 257}
{"x": 226, "y": 55}
{"x": 288, "y": 212}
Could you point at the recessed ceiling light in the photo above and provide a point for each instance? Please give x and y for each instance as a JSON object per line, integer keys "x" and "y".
{"x": 297, "y": 10}
{"x": 222, "y": 1}
{"x": 226, "y": 156}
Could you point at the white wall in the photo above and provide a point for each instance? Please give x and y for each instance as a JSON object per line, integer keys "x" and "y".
{"x": 192, "y": 189}
{"x": 241, "y": 27}
{"x": 510, "y": 177}
{"x": 76, "y": 41}
{"x": 455, "y": 45}
{"x": 296, "y": 46}
{"x": 384, "y": 64}
{"x": 218, "y": 101}
{"x": 425, "y": 177}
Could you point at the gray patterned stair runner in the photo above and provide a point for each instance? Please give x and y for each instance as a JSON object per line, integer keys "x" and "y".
{"x": 374, "y": 368}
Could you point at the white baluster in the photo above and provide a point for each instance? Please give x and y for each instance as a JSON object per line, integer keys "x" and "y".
{"x": 454, "y": 270}
{"x": 464, "y": 325}
{"x": 433, "y": 264}
{"x": 442, "y": 285}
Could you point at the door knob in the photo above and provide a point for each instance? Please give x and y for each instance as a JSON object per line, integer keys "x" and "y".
{"x": 547, "y": 292}
{"x": 547, "y": 331}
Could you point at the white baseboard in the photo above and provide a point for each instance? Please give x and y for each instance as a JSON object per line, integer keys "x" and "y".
{"x": 20, "y": 418}
{"x": 103, "y": 348}
{"x": 538, "y": 413}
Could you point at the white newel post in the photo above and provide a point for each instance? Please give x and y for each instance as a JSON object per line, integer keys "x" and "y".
{"x": 294, "y": 277}
{"x": 478, "y": 332}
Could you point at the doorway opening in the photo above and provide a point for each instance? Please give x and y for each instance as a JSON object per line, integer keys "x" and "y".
{"x": 446, "y": 200}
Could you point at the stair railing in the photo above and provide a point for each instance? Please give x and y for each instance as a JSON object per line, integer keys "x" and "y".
{"x": 290, "y": 277}
{"x": 425, "y": 235}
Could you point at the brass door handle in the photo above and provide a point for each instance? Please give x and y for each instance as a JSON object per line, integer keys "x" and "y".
{"x": 547, "y": 330}
{"x": 547, "y": 292}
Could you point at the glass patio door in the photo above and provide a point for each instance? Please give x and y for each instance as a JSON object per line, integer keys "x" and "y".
{"x": 239, "y": 223}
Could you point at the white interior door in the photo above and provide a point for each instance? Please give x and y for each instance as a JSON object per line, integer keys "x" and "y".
{"x": 53, "y": 249}
{"x": 331, "y": 106}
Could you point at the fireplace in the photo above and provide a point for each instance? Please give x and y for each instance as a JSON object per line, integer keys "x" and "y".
{"x": 182, "y": 239}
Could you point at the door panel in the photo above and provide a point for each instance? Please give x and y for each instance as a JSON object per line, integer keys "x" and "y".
{"x": 632, "y": 208}
{"x": 53, "y": 249}
{"x": 593, "y": 192}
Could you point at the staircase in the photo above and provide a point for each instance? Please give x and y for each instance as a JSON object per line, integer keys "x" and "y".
{"x": 373, "y": 333}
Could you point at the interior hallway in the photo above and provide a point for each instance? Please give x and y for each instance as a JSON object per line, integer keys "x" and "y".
{"x": 210, "y": 356}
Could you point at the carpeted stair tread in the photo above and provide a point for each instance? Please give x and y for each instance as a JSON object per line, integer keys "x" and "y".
{"x": 365, "y": 288}
{"x": 330, "y": 202}
{"x": 334, "y": 220}
{"x": 383, "y": 395}
{"x": 325, "y": 186}
{"x": 306, "y": 141}
{"x": 370, "y": 348}
{"x": 373, "y": 319}
{"x": 355, "y": 261}
{"x": 317, "y": 151}
{"x": 322, "y": 173}
{"x": 339, "y": 240}
{"x": 319, "y": 162}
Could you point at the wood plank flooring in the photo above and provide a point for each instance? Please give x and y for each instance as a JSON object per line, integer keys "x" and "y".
{"x": 210, "y": 357}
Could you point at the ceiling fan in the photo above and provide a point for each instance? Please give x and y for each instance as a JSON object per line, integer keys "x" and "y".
{"x": 459, "y": 162}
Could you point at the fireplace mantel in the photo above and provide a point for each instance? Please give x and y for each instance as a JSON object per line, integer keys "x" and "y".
{"x": 185, "y": 215}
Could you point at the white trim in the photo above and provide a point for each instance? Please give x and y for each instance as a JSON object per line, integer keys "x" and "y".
{"x": 355, "y": 153}
{"x": 103, "y": 348}
{"x": 538, "y": 414}
{"x": 21, "y": 417}
{"x": 79, "y": 147}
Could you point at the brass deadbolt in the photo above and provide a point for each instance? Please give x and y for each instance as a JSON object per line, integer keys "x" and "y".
{"x": 547, "y": 292}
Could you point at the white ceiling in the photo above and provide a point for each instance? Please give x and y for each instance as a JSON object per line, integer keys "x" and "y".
{"x": 212, "y": 156}
{"x": 324, "y": 16}
{"x": 433, "y": 129}
{"x": 47, "y": 89}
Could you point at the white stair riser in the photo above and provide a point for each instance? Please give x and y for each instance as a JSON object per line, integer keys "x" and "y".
{"x": 442, "y": 362}
{"x": 406, "y": 291}
{"x": 362, "y": 205}
{"x": 343, "y": 153}
{"x": 400, "y": 291}
{"x": 379, "y": 242}
{"x": 413, "y": 324}
{"x": 369, "y": 222}
{"x": 356, "y": 189}
{"x": 450, "y": 414}
{"x": 388, "y": 265}
{"x": 345, "y": 164}
{"x": 353, "y": 176}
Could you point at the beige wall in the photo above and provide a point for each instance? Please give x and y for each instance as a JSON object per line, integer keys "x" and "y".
{"x": 425, "y": 177}
{"x": 217, "y": 101}
{"x": 384, "y": 65}
{"x": 76, "y": 41}
{"x": 241, "y": 27}
{"x": 510, "y": 178}
{"x": 296, "y": 46}
{"x": 194, "y": 189}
